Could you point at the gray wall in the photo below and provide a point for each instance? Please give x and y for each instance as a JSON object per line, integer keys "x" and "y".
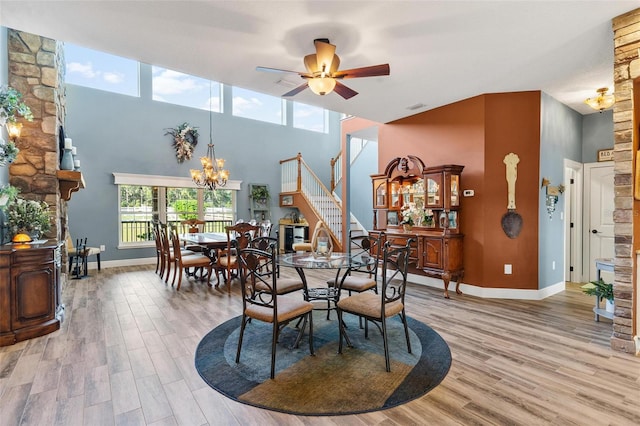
{"x": 560, "y": 138}
{"x": 118, "y": 133}
{"x": 361, "y": 192}
{"x": 597, "y": 133}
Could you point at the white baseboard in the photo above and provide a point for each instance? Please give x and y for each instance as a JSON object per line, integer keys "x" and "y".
{"x": 471, "y": 290}
{"x": 489, "y": 293}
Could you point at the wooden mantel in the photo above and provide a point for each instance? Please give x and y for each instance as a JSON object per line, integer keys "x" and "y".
{"x": 70, "y": 181}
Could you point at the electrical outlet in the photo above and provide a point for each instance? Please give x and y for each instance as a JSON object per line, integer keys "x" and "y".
{"x": 468, "y": 193}
{"x": 102, "y": 247}
{"x": 507, "y": 269}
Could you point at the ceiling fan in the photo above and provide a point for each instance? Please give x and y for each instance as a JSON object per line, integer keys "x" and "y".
{"x": 322, "y": 72}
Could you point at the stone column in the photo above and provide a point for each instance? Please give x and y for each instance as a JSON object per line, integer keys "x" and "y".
{"x": 36, "y": 69}
{"x": 626, "y": 69}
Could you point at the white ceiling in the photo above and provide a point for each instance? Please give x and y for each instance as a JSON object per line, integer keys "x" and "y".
{"x": 439, "y": 51}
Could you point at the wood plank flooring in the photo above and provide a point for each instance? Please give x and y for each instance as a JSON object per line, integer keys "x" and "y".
{"x": 125, "y": 356}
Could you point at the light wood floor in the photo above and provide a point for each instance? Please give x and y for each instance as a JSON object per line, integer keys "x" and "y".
{"x": 125, "y": 355}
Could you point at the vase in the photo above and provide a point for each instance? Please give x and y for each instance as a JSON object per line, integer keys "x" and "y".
{"x": 407, "y": 227}
{"x": 609, "y": 306}
{"x": 67, "y": 160}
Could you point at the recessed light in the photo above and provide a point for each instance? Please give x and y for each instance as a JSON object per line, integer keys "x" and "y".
{"x": 416, "y": 106}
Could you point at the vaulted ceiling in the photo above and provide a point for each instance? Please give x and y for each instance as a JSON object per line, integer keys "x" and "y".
{"x": 439, "y": 51}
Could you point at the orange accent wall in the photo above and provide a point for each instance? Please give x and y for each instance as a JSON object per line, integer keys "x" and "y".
{"x": 478, "y": 133}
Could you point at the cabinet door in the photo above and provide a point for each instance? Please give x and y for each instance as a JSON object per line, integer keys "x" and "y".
{"x": 432, "y": 255}
{"x": 380, "y": 193}
{"x": 395, "y": 200}
{"x": 433, "y": 190}
{"x": 455, "y": 188}
{"x": 33, "y": 294}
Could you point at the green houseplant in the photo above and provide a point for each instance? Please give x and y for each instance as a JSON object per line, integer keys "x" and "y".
{"x": 599, "y": 288}
{"x": 28, "y": 217}
{"x": 259, "y": 192}
{"x": 8, "y": 194}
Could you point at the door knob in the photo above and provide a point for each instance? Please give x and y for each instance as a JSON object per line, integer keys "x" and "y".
{"x": 594, "y": 231}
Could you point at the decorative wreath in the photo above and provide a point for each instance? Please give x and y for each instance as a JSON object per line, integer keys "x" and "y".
{"x": 185, "y": 138}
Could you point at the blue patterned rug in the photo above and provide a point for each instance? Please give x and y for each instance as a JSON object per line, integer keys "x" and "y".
{"x": 329, "y": 383}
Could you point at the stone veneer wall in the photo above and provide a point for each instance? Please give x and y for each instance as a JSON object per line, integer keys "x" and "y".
{"x": 36, "y": 67}
{"x": 626, "y": 69}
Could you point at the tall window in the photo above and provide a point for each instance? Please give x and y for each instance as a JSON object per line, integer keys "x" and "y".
{"x": 258, "y": 106}
{"x": 99, "y": 70}
{"x": 187, "y": 90}
{"x": 310, "y": 118}
{"x": 140, "y": 205}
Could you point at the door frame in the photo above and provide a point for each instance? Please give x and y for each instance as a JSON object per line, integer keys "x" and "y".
{"x": 573, "y": 209}
{"x": 586, "y": 217}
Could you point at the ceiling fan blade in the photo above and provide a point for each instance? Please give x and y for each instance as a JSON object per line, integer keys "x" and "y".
{"x": 296, "y": 90}
{"x": 344, "y": 91}
{"x": 324, "y": 54}
{"x": 276, "y": 70}
{"x": 372, "y": 71}
{"x": 311, "y": 63}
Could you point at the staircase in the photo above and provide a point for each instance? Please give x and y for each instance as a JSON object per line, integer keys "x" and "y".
{"x": 298, "y": 178}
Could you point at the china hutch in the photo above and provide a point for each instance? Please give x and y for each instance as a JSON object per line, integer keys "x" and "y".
{"x": 412, "y": 201}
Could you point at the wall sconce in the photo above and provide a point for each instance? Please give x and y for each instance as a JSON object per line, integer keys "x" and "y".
{"x": 552, "y": 195}
{"x": 14, "y": 129}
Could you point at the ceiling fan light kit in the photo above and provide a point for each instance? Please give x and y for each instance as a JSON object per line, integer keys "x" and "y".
{"x": 602, "y": 101}
{"x": 322, "y": 72}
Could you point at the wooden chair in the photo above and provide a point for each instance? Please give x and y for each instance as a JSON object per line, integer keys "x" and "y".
{"x": 195, "y": 260}
{"x": 193, "y": 226}
{"x": 158, "y": 240}
{"x": 261, "y": 301}
{"x": 238, "y": 237}
{"x": 388, "y": 303}
{"x": 168, "y": 256}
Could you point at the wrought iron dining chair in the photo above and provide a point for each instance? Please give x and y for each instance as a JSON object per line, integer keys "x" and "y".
{"x": 378, "y": 308}
{"x": 193, "y": 260}
{"x": 285, "y": 285}
{"x": 365, "y": 276}
{"x": 238, "y": 237}
{"x": 261, "y": 301}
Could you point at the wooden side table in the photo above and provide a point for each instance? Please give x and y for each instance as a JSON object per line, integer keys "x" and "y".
{"x": 602, "y": 265}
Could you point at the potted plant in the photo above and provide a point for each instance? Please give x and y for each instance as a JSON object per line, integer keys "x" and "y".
{"x": 27, "y": 219}
{"x": 602, "y": 290}
{"x": 259, "y": 192}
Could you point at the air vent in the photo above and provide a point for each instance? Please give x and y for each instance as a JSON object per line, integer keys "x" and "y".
{"x": 286, "y": 83}
{"x": 415, "y": 107}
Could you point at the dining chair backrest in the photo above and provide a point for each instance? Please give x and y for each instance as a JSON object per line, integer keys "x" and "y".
{"x": 241, "y": 233}
{"x": 395, "y": 266}
{"x": 259, "y": 284}
{"x": 192, "y": 226}
{"x": 367, "y": 247}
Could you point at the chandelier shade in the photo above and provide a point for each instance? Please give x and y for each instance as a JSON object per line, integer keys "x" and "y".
{"x": 602, "y": 101}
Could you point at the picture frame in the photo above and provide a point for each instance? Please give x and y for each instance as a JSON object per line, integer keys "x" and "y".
{"x": 392, "y": 218}
{"x": 286, "y": 200}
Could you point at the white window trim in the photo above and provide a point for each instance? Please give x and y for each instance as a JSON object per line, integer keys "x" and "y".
{"x": 166, "y": 181}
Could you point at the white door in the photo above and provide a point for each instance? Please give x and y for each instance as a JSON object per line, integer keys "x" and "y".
{"x": 600, "y": 207}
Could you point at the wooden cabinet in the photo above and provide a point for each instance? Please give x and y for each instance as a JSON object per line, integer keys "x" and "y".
{"x": 430, "y": 196}
{"x": 30, "y": 299}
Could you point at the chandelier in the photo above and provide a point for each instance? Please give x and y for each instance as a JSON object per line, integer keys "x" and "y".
{"x": 602, "y": 101}
{"x": 213, "y": 174}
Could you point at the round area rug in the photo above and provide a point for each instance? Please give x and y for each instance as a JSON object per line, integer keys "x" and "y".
{"x": 328, "y": 383}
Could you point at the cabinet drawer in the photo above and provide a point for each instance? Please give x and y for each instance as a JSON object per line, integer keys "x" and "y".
{"x": 432, "y": 254}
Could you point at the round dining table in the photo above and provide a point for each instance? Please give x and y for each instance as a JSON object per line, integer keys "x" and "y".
{"x": 339, "y": 262}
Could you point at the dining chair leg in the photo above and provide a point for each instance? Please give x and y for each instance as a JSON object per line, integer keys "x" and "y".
{"x": 177, "y": 270}
{"x": 340, "y": 330}
{"x": 243, "y": 324}
{"x": 274, "y": 339}
{"x": 386, "y": 345}
{"x": 406, "y": 330}
{"x": 168, "y": 271}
